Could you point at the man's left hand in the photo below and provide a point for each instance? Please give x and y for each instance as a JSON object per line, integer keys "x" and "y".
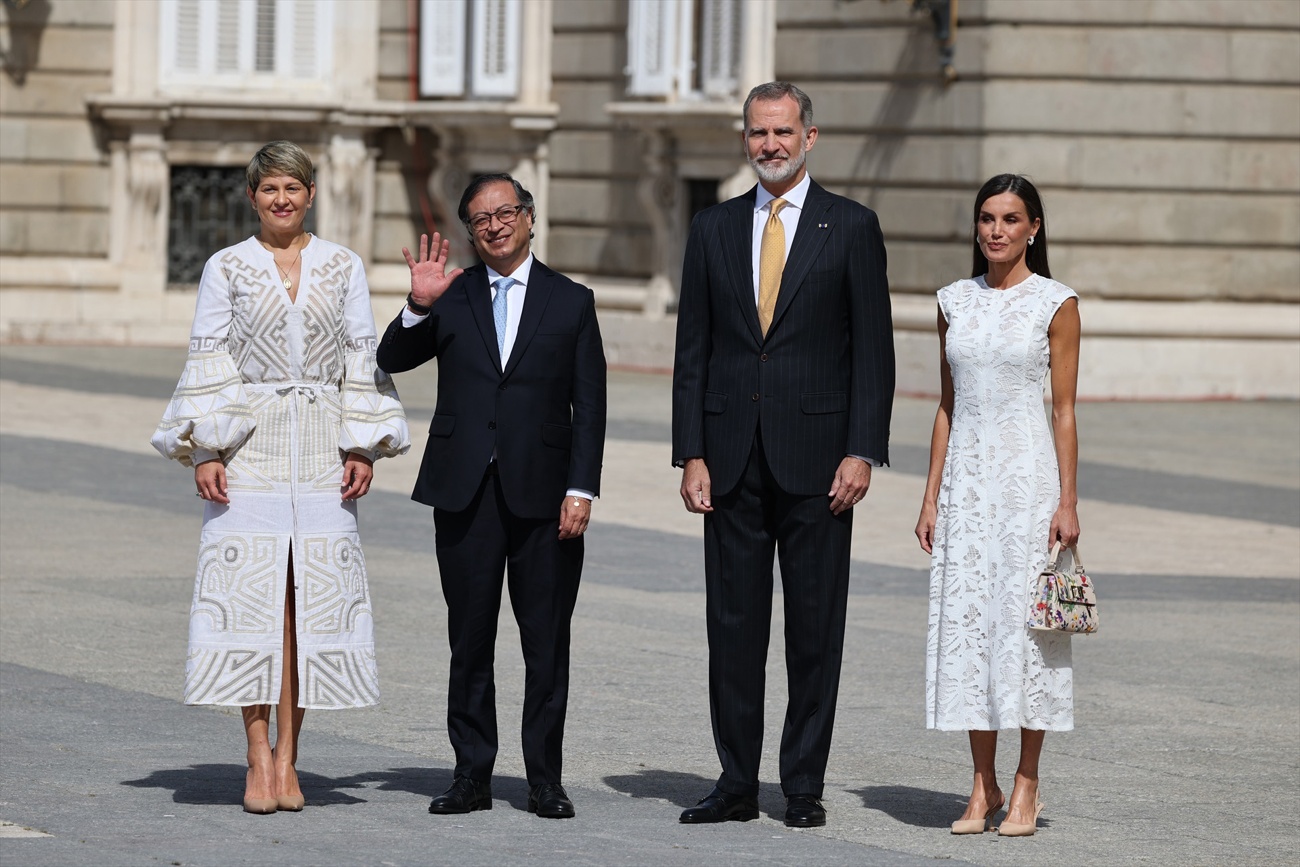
{"x": 575, "y": 514}
{"x": 851, "y": 482}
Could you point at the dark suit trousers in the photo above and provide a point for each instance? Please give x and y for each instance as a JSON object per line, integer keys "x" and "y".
{"x": 475, "y": 548}
{"x": 747, "y": 526}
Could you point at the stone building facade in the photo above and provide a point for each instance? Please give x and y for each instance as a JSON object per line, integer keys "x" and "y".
{"x": 1163, "y": 134}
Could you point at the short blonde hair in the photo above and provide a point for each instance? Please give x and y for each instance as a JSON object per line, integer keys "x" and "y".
{"x": 280, "y": 158}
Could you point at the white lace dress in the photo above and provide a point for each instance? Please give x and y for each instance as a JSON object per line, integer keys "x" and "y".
{"x": 281, "y": 391}
{"x": 985, "y": 669}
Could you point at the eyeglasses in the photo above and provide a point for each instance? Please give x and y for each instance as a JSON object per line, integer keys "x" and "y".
{"x": 505, "y": 216}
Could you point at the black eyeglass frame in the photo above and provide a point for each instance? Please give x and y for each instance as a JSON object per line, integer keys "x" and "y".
{"x": 506, "y": 216}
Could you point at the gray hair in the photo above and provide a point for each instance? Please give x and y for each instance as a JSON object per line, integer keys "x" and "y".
{"x": 280, "y": 158}
{"x": 476, "y": 186}
{"x": 774, "y": 90}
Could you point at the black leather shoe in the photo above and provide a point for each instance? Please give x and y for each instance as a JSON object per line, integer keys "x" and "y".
{"x": 464, "y": 796}
{"x": 720, "y": 806}
{"x": 804, "y": 811}
{"x": 549, "y": 801}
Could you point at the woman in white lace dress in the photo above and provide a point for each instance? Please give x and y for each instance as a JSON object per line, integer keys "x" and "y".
{"x": 281, "y": 412}
{"x": 1001, "y": 489}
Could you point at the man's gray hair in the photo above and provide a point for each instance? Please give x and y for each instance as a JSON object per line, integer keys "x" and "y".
{"x": 777, "y": 90}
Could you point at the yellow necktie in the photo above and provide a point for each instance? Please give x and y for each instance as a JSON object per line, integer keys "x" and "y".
{"x": 771, "y": 261}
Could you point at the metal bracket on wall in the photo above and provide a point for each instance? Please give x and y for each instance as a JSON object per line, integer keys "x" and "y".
{"x": 943, "y": 15}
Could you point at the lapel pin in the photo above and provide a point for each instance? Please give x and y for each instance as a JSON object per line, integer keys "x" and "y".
{"x": 823, "y": 225}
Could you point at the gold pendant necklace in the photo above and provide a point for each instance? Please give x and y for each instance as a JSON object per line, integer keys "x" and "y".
{"x": 288, "y": 283}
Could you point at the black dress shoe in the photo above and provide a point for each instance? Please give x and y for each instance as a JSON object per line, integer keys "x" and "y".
{"x": 804, "y": 811}
{"x": 720, "y": 806}
{"x": 549, "y": 801}
{"x": 464, "y": 796}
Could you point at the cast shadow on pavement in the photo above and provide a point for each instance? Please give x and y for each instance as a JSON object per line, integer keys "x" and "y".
{"x": 224, "y": 784}
{"x": 428, "y": 782}
{"x": 922, "y": 808}
{"x": 686, "y": 790}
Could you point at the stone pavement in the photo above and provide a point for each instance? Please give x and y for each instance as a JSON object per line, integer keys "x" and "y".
{"x": 1187, "y": 748}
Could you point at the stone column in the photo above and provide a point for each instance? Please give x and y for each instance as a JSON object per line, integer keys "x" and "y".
{"x": 144, "y": 231}
{"x": 657, "y": 192}
{"x": 346, "y": 193}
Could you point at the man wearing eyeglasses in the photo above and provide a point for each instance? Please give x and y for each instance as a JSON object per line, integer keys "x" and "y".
{"x": 511, "y": 467}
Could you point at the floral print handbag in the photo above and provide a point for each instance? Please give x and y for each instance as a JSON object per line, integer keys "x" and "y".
{"x": 1063, "y": 601}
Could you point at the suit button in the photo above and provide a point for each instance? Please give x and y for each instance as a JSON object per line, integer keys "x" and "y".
{"x": 763, "y": 357}
{"x": 492, "y": 425}
{"x": 501, "y": 387}
{"x": 754, "y": 396}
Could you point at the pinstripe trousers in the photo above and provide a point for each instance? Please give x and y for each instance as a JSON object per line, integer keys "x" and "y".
{"x": 749, "y": 526}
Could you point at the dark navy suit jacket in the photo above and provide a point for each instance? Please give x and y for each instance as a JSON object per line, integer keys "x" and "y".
{"x": 821, "y": 384}
{"x": 543, "y": 415}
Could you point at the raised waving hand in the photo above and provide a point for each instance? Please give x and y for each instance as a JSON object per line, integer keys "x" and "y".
{"x": 428, "y": 273}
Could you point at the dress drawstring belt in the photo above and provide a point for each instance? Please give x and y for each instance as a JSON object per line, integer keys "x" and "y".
{"x": 300, "y": 390}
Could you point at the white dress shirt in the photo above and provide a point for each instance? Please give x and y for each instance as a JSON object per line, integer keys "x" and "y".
{"x": 514, "y": 310}
{"x": 514, "y": 303}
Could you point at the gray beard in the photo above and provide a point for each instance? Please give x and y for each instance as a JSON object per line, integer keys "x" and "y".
{"x": 778, "y": 176}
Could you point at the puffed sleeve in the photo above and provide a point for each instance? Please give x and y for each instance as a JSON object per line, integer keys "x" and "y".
{"x": 374, "y": 423}
{"x": 209, "y": 414}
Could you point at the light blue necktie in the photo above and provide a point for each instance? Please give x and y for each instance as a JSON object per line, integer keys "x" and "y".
{"x": 499, "y": 314}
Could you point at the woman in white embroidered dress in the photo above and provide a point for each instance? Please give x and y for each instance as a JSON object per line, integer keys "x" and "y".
{"x": 281, "y": 412}
{"x": 1001, "y": 489}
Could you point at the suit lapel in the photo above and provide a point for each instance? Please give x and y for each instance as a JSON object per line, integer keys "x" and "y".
{"x": 738, "y": 241}
{"x": 536, "y": 298}
{"x": 480, "y": 304}
{"x": 814, "y": 228}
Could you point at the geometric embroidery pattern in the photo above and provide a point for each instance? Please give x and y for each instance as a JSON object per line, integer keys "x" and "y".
{"x": 273, "y": 386}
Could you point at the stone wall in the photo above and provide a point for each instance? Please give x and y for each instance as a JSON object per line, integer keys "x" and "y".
{"x": 54, "y": 176}
{"x": 1163, "y": 134}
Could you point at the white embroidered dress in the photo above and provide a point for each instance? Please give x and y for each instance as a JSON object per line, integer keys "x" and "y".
{"x": 281, "y": 390}
{"x": 985, "y": 669}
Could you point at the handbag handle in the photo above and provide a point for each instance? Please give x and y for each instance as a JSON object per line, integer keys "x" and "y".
{"x": 1054, "y": 558}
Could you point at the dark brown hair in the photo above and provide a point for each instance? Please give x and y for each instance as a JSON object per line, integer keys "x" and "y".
{"x": 1036, "y": 254}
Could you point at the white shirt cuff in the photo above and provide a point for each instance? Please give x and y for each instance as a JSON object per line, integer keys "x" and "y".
{"x": 579, "y": 492}
{"x": 410, "y": 317}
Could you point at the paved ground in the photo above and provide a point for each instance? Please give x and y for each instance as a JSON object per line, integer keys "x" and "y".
{"x": 1188, "y": 703}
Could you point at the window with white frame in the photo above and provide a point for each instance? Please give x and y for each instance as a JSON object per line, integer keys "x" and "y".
{"x": 244, "y": 43}
{"x": 684, "y": 49}
{"x": 470, "y": 48}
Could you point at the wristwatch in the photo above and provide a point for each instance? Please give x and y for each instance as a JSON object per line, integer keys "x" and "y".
{"x": 417, "y": 308}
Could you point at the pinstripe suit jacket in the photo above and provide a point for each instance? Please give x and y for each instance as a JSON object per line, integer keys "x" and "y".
{"x": 821, "y": 384}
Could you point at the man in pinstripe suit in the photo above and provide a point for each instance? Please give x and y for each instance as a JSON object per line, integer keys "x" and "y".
{"x": 782, "y": 392}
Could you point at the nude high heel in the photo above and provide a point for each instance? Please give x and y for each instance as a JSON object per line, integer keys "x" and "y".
{"x": 261, "y": 806}
{"x": 290, "y": 803}
{"x": 1009, "y": 829}
{"x": 976, "y": 826}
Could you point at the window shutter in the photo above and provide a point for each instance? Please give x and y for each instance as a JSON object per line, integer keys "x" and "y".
{"x": 442, "y": 47}
{"x": 720, "y": 47}
{"x": 303, "y": 38}
{"x": 264, "y": 57}
{"x": 178, "y": 31}
{"x": 651, "y": 46}
{"x": 227, "y": 57}
{"x": 495, "y": 42}
{"x": 222, "y": 43}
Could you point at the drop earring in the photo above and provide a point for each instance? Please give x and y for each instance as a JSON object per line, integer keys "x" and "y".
{"x": 1031, "y": 240}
